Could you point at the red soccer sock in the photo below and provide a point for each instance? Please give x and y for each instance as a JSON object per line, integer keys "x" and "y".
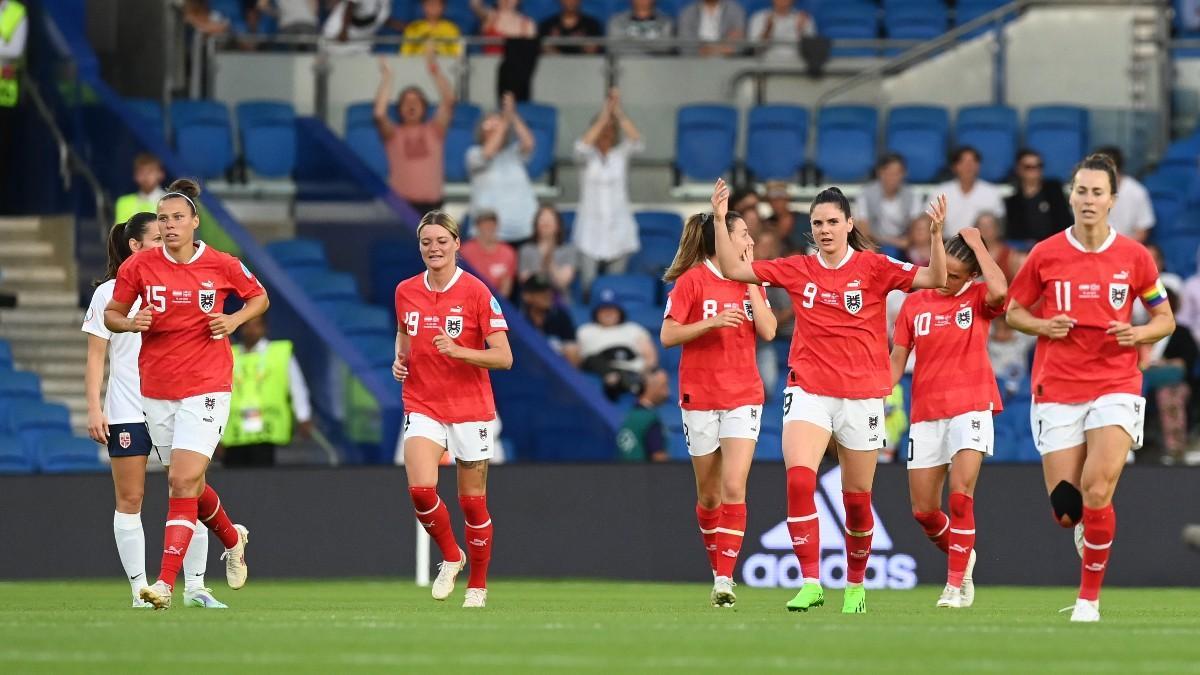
{"x": 709, "y": 520}
{"x": 181, "y": 525}
{"x": 962, "y": 536}
{"x": 802, "y": 521}
{"x": 729, "y": 537}
{"x": 479, "y": 538}
{"x": 937, "y": 527}
{"x": 1099, "y": 528}
{"x": 860, "y": 525}
{"x": 435, "y": 517}
{"x": 213, "y": 515}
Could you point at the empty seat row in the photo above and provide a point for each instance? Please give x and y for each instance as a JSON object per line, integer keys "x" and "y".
{"x": 36, "y": 435}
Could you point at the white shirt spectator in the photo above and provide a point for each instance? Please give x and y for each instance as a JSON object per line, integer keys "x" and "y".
{"x": 594, "y": 339}
{"x": 123, "y": 399}
{"x": 894, "y": 220}
{"x": 297, "y": 387}
{"x": 963, "y": 208}
{"x": 365, "y": 21}
{"x": 1132, "y": 211}
{"x": 502, "y": 185}
{"x": 785, "y": 33}
{"x": 710, "y": 23}
{"x": 294, "y": 13}
{"x": 604, "y": 225}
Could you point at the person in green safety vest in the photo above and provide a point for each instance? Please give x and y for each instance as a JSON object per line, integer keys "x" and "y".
{"x": 269, "y": 392}
{"x": 641, "y": 438}
{"x": 895, "y": 422}
{"x": 14, "y": 27}
{"x": 148, "y": 175}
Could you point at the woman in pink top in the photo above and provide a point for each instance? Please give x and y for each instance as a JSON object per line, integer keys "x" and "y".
{"x": 414, "y": 146}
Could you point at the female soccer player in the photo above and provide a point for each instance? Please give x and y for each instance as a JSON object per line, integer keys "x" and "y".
{"x": 451, "y": 332}
{"x": 119, "y": 422}
{"x": 954, "y": 398}
{"x": 839, "y": 373}
{"x": 186, "y": 367}
{"x": 720, "y": 392}
{"x": 1075, "y": 293}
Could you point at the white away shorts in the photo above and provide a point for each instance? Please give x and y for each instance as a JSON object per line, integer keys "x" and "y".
{"x": 857, "y": 424}
{"x": 466, "y": 441}
{"x": 935, "y": 442}
{"x": 704, "y": 429}
{"x": 195, "y": 423}
{"x": 1058, "y": 426}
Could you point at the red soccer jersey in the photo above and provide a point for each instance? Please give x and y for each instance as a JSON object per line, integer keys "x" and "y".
{"x": 179, "y": 357}
{"x": 1092, "y": 287}
{"x": 953, "y": 374}
{"x": 438, "y": 386}
{"x": 718, "y": 370}
{"x": 840, "y": 345}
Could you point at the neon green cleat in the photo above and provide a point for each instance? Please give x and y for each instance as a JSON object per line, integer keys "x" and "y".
{"x": 855, "y": 601}
{"x": 810, "y": 595}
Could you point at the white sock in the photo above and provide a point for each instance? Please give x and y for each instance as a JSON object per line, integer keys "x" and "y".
{"x": 195, "y": 561}
{"x": 131, "y": 546}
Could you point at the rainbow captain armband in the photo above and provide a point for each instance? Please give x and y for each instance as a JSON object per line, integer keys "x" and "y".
{"x": 1155, "y": 295}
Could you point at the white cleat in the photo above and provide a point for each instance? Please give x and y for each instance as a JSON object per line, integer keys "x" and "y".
{"x": 236, "y": 569}
{"x": 476, "y": 597}
{"x": 203, "y": 598}
{"x": 1086, "y": 611}
{"x": 951, "y": 597}
{"x": 158, "y": 595}
{"x": 1079, "y": 539}
{"x": 968, "y": 582}
{"x": 722, "y": 592}
{"x": 139, "y": 603}
{"x": 443, "y": 585}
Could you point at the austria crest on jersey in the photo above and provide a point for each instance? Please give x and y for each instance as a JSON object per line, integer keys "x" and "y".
{"x": 1118, "y": 295}
{"x": 852, "y": 300}
{"x": 207, "y": 299}
{"x": 454, "y": 326}
{"x": 963, "y": 317}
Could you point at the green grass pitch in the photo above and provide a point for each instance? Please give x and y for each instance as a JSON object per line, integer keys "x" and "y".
{"x": 587, "y": 627}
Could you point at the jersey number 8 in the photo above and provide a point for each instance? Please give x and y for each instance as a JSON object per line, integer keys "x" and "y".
{"x": 710, "y": 309}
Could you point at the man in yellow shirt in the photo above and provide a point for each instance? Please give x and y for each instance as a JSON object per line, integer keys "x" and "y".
{"x": 433, "y": 27}
{"x": 148, "y": 174}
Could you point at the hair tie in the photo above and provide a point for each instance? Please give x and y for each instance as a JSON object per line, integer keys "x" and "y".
{"x": 179, "y": 194}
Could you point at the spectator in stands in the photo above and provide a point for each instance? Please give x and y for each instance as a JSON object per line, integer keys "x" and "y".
{"x": 549, "y": 255}
{"x": 294, "y": 17}
{"x": 605, "y": 230}
{"x": 499, "y": 179}
{"x": 1037, "y": 208}
{"x": 494, "y": 260}
{"x": 12, "y": 60}
{"x": 545, "y": 314}
{"x": 783, "y": 219}
{"x": 433, "y": 27}
{"x": 269, "y": 393}
{"x": 715, "y": 23}
{"x": 767, "y": 247}
{"x": 991, "y": 230}
{"x": 918, "y": 237}
{"x": 779, "y": 28}
{"x": 967, "y": 195}
{"x": 745, "y": 201}
{"x": 644, "y": 23}
{"x": 886, "y": 207}
{"x": 570, "y": 22}
{"x": 1169, "y": 367}
{"x": 1132, "y": 214}
{"x": 1009, "y": 352}
{"x": 642, "y": 437}
{"x": 414, "y": 147}
{"x": 352, "y": 24}
{"x": 616, "y": 349}
{"x": 148, "y": 175}
{"x": 1189, "y": 315}
{"x": 505, "y": 21}
{"x": 200, "y": 16}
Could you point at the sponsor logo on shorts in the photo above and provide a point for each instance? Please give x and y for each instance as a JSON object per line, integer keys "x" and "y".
{"x": 974, "y": 425}
{"x": 753, "y": 413}
{"x": 873, "y": 422}
{"x": 125, "y": 440}
{"x": 209, "y": 420}
{"x": 210, "y": 403}
{"x": 483, "y": 433}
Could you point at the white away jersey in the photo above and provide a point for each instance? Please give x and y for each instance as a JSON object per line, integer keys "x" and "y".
{"x": 123, "y": 400}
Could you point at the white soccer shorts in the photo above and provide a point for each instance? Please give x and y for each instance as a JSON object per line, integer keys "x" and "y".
{"x": 935, "y": 442}
{"x": 1058, "y": 426}
{"x": 704, "y": 429}
{"x": 195, "y": 423}
{"x": 466, "y": 441}
{"x": 857, "y": 424}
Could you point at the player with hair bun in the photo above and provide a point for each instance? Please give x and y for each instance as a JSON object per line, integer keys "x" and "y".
{"x": 838, "y": 371}
{"x": 186, "y": 367}
{"x": 1076, "y": 293}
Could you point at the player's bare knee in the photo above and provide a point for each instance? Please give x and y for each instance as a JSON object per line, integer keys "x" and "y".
{"x": 962, "y": 485}
{"x": 1097, "y": 494}
{"x": 185, "y": 484}
{"x": 708, "y": 499}
{"x": 130, "y": 500}
{"x": 733, "y": 492}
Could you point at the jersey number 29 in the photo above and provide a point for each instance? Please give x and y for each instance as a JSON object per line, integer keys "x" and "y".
{"x": 411, "y": 320}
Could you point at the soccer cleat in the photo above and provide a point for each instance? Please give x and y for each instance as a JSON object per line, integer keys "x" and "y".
{"x": 1079, "y": 540}
{"x": 443, "y": 585}
{"x": 202, "y": 597}
{"x": 236, "y": 569}
{"x": 810, "y": 595}
{"x": 952, "y": 597}
{"x": 158, "y": 595}
{"x": 476, "y": 597}
{"x": 855, "y": 600}
{"x": 722, "y": 592}
{"x": 968, "y": 582}
{"x": 1086, "y": 611}
{"x": 139, "y": 603}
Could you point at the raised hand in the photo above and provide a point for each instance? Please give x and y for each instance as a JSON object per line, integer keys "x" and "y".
{"x": 385, "y": 68}
{"x": 972, "y": 237}
{"x": 508, "y": 105}
{"x": 720, "y": 198}
{"x": 937, "y": 215}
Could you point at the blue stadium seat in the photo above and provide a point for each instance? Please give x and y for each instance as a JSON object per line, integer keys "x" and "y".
{"x": 363, "y": 319}
{"x": 626, "y": 289}
{"x": 232, "y": 11}
{"x": 667, "y": 223}
{"x": 62, "y": 452}
{"x": 297, "y": 254}
{"x": 364, "y": 142}
{"x": 913, "y": 20}
{"x": 919, "y": 134}
{"x": 1060, "y": 135}
{"x": 6, "y": 356}
{"x": 568, "y": 222}
{"x": 13, "y": 459}
{"x": 846, "y": 142}
{"x": 992, "y": 130}
{"x": 325, "y": 285}
{"x": 267, "y": 130}
{"x": 362, "y": 114}
{"x": 202, "y": 136}
{"x": 600, "y": 10}
{"x": 18, "y": 384}
{"x": 1168, "y": 203}
{"x": 379, "y": 350}
{"x": 459, "y": 137}
{"x": 580, "y": 314}
{"x": 649, "y": 317}
{"x": 969, "y": 10}
{"x": 776, "y": 141}
{"x": 705, "y": 138}
{"x": 392, "y": 261}
{"x": 655, "y": 255}
{"x": 30, "y": 418}
{"x": 542, "y": 121}
{"x": 848, "y": 20}
{"x": 149, "y": 111}
{"x": 539, "y": 10}
{"x": 1179, "y": 252}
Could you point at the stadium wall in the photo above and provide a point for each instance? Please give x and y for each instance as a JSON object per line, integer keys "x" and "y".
{"x": 601, "y": 521}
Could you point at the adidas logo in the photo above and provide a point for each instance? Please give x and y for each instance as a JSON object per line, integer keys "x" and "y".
{"x": 778, "y": 566}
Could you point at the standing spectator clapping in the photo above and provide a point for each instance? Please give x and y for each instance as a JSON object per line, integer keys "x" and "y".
{"x": 499, "y": 178}
{"x": 779, "y": 28}
{"x": 415, "y": 146}
{"x": 505, "y": 21}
